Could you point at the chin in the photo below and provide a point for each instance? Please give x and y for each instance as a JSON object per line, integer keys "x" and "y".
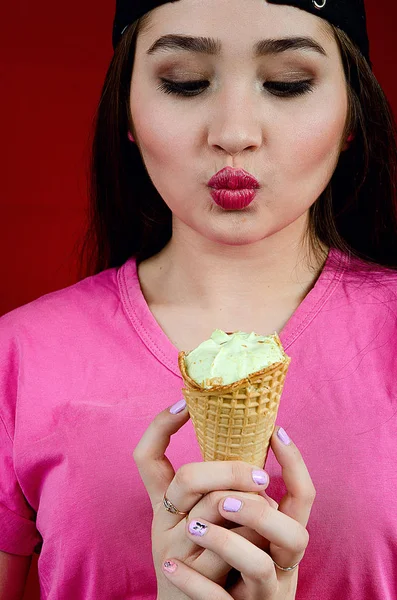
{"x": 234, "y": 237}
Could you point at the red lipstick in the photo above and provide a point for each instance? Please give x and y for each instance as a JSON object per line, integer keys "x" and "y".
{"x": 233, "y": 189}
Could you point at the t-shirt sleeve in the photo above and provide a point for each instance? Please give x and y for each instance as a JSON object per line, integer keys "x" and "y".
{"x": 18, "y": 533}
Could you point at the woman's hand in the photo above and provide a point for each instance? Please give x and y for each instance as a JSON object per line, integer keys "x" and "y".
{"x": 185, "y": 489}
{"x": 204, "y": 561}
{"x": 281, "y": 527}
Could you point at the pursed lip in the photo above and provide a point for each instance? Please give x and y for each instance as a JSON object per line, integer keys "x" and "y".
{"x": 233, "y": 179}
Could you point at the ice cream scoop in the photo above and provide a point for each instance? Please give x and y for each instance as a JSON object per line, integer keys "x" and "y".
{"x": 225, "y": 358}
{"x": 232, "y": 387}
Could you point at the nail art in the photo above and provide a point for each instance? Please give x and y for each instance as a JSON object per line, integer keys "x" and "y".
{"x": 232, "y": 504}
{"x": 283, "y": 436}
{"x": 197, "y": 528}
{"x": 178, "y": 407}
{"x": 169, "y": 566}
{"x": 260, "y": 477}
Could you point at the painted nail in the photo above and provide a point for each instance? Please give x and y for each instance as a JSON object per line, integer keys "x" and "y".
{"x": 283, "y": 436}
{"x": 178, "y": 407}
{"x": 169, "y": 566}
{"x": 232, "y": 504}
{"x": 197, "y": 528}
{"x": 260, "y": 477}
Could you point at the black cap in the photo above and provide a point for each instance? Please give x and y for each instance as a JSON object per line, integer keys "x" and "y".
{"x": 348, "y": 15}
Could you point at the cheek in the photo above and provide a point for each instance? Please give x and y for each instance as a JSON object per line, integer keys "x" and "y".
{"x": 322, "y": 142}
{"x": 162, "y": 136}
{"x": 315, "y": 138}
{"x": 163, "y": 143}
{"x": 163, "y": 148}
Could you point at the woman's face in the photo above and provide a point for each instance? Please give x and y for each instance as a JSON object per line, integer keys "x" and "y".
{"x": 280, "y": 115}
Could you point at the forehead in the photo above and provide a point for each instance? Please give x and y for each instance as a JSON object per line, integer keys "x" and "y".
{"x": 233, "y": 22}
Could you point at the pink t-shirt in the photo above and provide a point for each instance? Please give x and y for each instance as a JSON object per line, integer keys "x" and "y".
{"x": 84, "y": 370}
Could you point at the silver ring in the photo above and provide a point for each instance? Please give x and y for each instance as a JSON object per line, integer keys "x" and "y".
{"x": 318, "y": 5}
{"x": 286, "y": 568}
{"x": 171, "y": 508}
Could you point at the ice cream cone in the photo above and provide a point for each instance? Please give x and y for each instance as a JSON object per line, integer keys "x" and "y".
{"x": 236, "y": 421}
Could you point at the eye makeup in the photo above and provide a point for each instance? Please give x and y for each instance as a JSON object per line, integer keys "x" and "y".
{"x": 282, "y": 89}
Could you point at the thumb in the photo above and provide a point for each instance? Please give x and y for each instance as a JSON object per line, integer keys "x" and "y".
{"x": 155, "y": 469}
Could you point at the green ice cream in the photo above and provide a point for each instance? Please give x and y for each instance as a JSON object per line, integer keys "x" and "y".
{"x": 226, "y": 358}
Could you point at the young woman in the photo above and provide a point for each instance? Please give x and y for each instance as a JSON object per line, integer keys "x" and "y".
{"x": 243, "y": 178}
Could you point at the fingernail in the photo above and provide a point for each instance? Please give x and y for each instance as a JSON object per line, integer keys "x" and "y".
{"x": 197, "y": 528}
{"x": 283, "y": 436}
{"x": 178, "y": 407}
{"x": 169, "y": 566}
{"x": 232, "y": 504}
{"x": 260, "y": 477}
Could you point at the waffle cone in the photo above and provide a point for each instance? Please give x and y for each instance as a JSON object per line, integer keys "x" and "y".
{"x": 236, "y": 421}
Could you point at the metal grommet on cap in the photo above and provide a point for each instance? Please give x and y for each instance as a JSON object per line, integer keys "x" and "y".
{"x": 319, "y": 4}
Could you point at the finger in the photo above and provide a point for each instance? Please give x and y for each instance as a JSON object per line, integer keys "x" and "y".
{"x": 290, "y": 537}
{"x": 193, "y": 480}
{"x": 209, "y": 506}
{"x": 252, "y": 536}
{"x": 154, "y": 468}
{"x": 192, "y": 583}
{"x": 298, "y": 500}
{"x": 272, "y": 502}
{"x": 255, "y": 565}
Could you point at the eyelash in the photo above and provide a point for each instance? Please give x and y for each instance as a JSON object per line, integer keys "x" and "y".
{"x": 282, "y": 89}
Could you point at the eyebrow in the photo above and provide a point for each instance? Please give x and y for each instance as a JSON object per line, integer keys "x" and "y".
{"x": 212, "y": 47}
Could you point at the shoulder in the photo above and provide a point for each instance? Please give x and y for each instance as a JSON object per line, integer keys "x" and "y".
{"x": 73, "y": 306}
{"x": 366, "y": 294}
{"x": 376, "y": 281}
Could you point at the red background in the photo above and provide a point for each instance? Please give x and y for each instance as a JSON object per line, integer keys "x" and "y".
{"x": 53, "y": 63}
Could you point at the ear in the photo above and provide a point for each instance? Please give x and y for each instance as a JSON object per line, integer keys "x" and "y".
{"x": 348, "y": 142}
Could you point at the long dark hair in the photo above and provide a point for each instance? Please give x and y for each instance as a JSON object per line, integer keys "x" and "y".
{"x": 356, "y": 213}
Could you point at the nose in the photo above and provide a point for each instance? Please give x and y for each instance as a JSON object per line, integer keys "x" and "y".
{"x": 235, "y": 124}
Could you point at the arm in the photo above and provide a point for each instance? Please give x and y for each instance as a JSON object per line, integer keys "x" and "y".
{"x": 18, "y": 534}
{"x": 13, "y": 575}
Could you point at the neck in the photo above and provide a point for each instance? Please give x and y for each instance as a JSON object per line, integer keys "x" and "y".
{"x": 194, "y": 271}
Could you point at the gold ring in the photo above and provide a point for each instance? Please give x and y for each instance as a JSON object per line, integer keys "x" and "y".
{"x": 285, "y": 568}
{"x": 171, "y": 508}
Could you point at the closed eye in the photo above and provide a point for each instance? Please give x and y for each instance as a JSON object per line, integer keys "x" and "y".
{"x": 183, "y": 88}
{"x": 284, "y": 89}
